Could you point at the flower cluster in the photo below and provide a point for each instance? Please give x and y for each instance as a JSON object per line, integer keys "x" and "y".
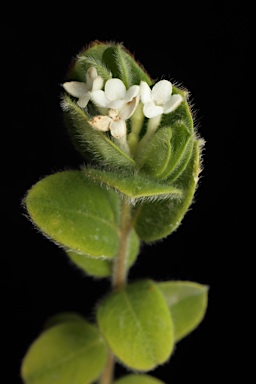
{"x": 118, "y": 104}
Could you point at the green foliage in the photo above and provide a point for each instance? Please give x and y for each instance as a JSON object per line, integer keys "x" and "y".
{"x": 104, "y": 267}
{"x": 187, "y": 302}
{"x": 69, "y": 352}
{"x": 133, "y": 186}
{"x": 75, "y": 213}
{"x": 138, "y": 379}
{"x": 142, "y": 160}
{"x": 139, "y": 316}
{"x": 159, "y": 219}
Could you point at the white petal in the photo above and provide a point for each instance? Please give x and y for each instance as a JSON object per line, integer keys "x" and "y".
{"x": 83, "y": 100}
{"x": 97, "y": 84}
{"x": 127, "y": 110}
{"x": 161, "y": 92}
{"x": 145, "y": 92}
{"x": 152, "y": 110}
{"x": 116, "y": 104}
{"x": 132, "y": 92}
{"x": 115, "y": 89}
{"x": 75, "y": 88}
{"x": 101, "y": 123}
{"x": 99, "y": 98}
{"x": 173, "y": 103}
{"x": 118, "y": 128}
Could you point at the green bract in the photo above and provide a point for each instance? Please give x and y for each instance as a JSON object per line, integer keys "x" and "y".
{"x": 141, "y": 164}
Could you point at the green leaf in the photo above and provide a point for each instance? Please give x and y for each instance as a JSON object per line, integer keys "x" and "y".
{"x": 98, "y": 54}
{"x": 91, "y": 56}
{"x": 76, "y": 213}
{"x": 137, "y": 325}
{"x": 138, "y": 379}
{"x": 158, "y": 219}
{"x": 92, "y": 144}
{"x": 63, "y": 317}
{"x": 123, "y": 65}
{"x": 182, "y": 147}
{"x": 181, "y": 114}
{"x": 71, "y": 352}
{"x": 104, "y": 267}
{"x": 132, "y": 185}
{"x": 187, "y": 302}
{"x": 155, "y": 156}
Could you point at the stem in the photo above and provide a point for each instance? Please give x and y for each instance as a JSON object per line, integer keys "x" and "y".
{"x": 120, "y": 267}
{"x": 119, "y": 277}
{"x": 107, "y": 375}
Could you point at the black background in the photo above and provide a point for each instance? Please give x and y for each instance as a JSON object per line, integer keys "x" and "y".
{"x": 207, "y": 50}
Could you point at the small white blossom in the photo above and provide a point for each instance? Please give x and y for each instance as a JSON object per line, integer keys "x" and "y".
{"x": 83, "y": 91}
{"x": 121, "y": 104}
{"x": 115, "y": 95}
{"x": 159, "y": 99}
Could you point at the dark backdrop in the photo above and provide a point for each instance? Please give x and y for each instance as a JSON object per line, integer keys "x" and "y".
{"x": 204, "y": 48}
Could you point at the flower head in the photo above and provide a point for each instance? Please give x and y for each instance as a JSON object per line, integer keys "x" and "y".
{"x": 83, "y": 91}
{"x": 159, "y": 99}
{"x": 121, "y": 104}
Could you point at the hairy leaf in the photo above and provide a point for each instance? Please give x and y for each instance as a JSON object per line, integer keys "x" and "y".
{"x": 187, "y": 302}
{"x": 76, "y": 213}
{"x": 137, "y": 325}
{"x": 71, "y": 352}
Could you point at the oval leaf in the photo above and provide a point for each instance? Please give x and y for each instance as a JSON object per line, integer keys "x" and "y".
{"x": 76, "y": 213}
{"x": 137, "y": 325}
{"x": 187, "y": 302}
{"x": 132, "y": 185}
{"x": 71, "y": 352}
{"x": 104, "y": 267}
{"x": 138, "y": 379}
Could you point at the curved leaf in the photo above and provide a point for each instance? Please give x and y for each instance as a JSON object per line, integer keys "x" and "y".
{"x": 132, "y": 185}
{"x": 159, "y": 219}
{"x": 181, "y": 114}
{"x": 91, "y": 56}
{"x": 123, "y": 65}
{"x": 138, "y": 379}
{"x": 76, "y": 213}
{"x": 182, "y": 145}
{"x": 137, "y": 325}
{"x": 187, "y": 302}
{"x": 63, "y": 317}
{"x": 71, "y": 352}
{"x": 92, "y": 144}
{"x": 103, "y": 267}
{"x": 160, "y": 145}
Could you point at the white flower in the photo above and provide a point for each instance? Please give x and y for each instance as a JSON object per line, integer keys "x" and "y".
{"x": 121, "y": 104}
{"x": 159, "y": 100}
{"x": 115, "y": 95}
{"x": 83, "y": 91}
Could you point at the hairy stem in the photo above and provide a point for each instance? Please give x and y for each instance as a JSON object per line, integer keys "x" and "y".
{"x": 107, "y": 375}
{"x": 120, "y": 267}
{"x": 119, "y": 277}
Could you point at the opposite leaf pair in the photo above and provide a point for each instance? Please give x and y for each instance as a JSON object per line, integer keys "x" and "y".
{"x": 140, "y": 324}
